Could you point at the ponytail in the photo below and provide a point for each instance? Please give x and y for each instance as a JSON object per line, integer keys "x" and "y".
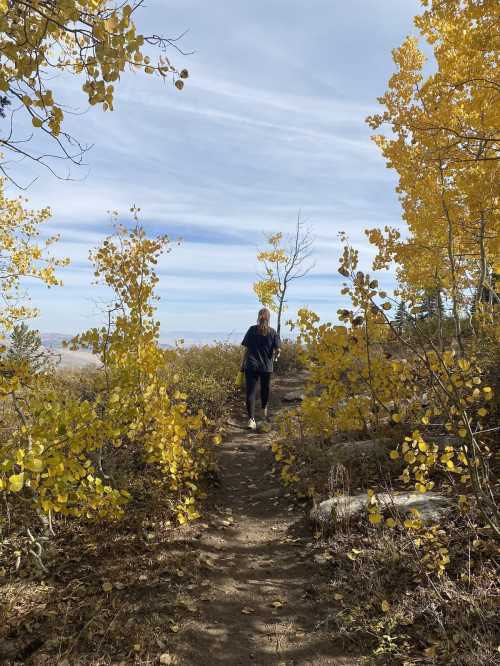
{"x": 263, "y": 319}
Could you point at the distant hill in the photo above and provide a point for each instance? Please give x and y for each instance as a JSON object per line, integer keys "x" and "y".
{"x": 168, "y": 341}
{"x": 54, "y": 340}
{"x": 65, "y": 358}
{"x": 191, "y": 338}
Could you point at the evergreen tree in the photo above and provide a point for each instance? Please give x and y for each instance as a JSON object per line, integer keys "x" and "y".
{"x": 432, "y": 304}
{"x": 401, "y": 316}
{"x": 26, "y": 347}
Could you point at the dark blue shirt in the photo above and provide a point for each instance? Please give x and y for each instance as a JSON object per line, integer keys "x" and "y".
{"x": 260, "y": 349}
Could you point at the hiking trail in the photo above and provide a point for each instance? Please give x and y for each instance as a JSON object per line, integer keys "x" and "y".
{"x": 258, "y": 594}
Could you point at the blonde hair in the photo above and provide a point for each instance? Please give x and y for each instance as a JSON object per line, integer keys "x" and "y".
{"x": 263, "y": 319}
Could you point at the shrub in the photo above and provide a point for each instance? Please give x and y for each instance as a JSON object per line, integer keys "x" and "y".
{"x": 207, "y": 376}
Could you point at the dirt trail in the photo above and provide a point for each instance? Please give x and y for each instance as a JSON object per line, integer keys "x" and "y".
{"x": 256, "y": 597}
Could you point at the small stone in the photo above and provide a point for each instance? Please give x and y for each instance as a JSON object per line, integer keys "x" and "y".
{"x": 166, "y": 659}
{"x": 293, "y": 396}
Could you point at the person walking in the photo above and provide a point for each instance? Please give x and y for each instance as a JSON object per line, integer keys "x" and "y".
{"x": 262, "y": 345}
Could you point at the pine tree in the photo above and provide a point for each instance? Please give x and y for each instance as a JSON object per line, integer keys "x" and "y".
{"x": 26, "y": 347}
{"x": 401, "y": 317}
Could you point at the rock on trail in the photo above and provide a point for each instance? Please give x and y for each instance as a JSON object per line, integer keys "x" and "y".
{"x": 431, "y": 506}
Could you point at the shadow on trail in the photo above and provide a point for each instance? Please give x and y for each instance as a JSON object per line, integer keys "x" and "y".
{"x": 258, "y": 600}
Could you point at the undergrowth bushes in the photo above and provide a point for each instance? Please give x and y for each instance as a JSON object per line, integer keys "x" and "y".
{"x": 75, "y": 444}
{"x": 290, "y": 359}
{"x": 207, "y": 376}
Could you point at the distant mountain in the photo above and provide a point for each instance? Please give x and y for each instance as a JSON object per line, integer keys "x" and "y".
{"x": 168, "y": 338}
{"x": 168, "y": 341}
{"x": 191, "y": 338}
{"x": 54, "y": 340}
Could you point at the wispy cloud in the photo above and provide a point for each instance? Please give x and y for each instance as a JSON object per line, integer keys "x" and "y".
{"x": 271, "y": 120}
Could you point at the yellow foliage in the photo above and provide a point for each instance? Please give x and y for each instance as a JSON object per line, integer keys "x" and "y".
{"x": 93, "y": 39}
{"x": 51, "y": 455}
{"x": 22, "y": 255}
{"x": 444, "y": 147}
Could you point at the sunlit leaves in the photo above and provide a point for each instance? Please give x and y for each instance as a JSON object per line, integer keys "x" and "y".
{"x": 95, "y": 41}
{"x": 22, "y": 255}
{"x": 142, "y": 402}
{"x": 442, "y": 144}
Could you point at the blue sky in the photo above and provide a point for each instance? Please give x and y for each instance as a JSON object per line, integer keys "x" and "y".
{"x": 270, "y": 121}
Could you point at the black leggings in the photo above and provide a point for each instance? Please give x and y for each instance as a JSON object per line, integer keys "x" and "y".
{"x": 251, "y": 378}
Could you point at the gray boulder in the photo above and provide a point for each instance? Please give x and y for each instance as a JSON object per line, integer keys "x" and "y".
{"x": 431, "y": 506}
{"x": 294, "y": 396}
{"x": 366, "y": 448}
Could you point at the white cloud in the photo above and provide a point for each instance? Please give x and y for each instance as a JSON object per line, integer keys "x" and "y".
{"x": 271, "y": 120}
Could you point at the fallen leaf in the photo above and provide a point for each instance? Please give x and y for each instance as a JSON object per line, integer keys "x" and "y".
{"x": 107, "y": 586}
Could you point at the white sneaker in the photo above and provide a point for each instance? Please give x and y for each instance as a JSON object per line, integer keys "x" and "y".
{"x": 252, "y": 425}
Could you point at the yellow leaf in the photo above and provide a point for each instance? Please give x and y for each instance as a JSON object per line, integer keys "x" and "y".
{"x": 374, "y": 518}
{"x": 16, "y": 482}
{"x": 385, "y": 606}
{"x": 394, "y": 455}
{"x": 390, "y": 522}
{"x": 36, "y": 465}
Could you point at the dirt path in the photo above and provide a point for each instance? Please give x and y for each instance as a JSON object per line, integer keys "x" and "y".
{"x": 240, "y": 586}
{"x": 256, "y": 596}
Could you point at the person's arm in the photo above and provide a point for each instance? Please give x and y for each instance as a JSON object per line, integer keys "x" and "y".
{"x": 243, "y": 358}
{"x": 277, "y": 347}
{"x": 244, "y": 353}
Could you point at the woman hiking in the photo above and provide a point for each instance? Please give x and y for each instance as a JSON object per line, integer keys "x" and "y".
{"x": 262, "y": 345}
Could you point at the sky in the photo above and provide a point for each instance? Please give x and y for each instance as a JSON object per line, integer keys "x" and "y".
{"x": 270, "y": 122}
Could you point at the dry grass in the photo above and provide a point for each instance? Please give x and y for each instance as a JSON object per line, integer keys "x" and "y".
{"x": 450, "y": 620}
{"x": 103, "y": 600}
